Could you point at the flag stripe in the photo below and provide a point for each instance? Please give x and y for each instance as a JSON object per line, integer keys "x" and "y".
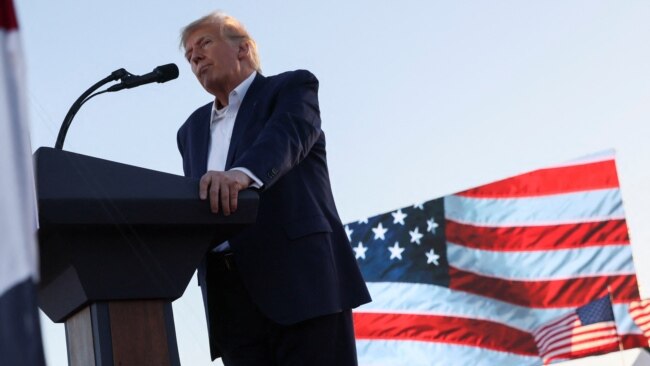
{"x": 543, "y": 265}
{"x": 544, "y": 294}
{"x": 574, "y": 178}
{"x": 576, "y": 207}
{"x": 444, "y": 329}
{"x": 428, "y": 299}
{"x": 633, "y": 340}
{"x": 438, "y": 300}
{"x": 414, "y": 353}
{"x": 539, "y": 238}
{"x": 8, "y": 19}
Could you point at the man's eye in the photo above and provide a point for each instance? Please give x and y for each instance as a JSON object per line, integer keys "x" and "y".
{"x": 205, "y": 43}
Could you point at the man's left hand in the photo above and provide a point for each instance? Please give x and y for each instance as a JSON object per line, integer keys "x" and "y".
{"x": 223, "y": 189}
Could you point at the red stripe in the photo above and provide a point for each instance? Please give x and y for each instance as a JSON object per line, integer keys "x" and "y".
{"x": 444, "y": 329}
{"x": 599, "y": 175}
{"x": 536, "y": 238}
{"x": 634, "y": 341}
{"x": 546, "y": 294}
{"x": 8, "y": 19}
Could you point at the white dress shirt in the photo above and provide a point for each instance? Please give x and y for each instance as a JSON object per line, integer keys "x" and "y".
{"x": 222, "y": 124}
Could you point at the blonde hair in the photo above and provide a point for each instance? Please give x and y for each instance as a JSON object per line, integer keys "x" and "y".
{"x": 230, "y": 29}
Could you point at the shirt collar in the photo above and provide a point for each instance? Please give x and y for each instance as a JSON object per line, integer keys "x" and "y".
{"x": 236, "y": 96}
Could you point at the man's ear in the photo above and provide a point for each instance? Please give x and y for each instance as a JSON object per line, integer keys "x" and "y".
{"x": 244, "y": 50}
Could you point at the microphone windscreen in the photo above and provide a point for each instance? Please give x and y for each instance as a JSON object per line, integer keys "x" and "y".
{"x": 166, "y": 72}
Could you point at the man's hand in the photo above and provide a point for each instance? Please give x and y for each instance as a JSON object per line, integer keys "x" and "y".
{"x": 223, "y": 189}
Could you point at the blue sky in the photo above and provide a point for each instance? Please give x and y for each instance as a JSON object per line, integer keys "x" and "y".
{"x": 419, "y": 98}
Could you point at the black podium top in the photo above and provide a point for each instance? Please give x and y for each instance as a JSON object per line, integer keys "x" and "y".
{"x": 111, "y": 231}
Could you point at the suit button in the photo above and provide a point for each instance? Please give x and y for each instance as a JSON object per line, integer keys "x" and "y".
{"x": 272, "y": 173}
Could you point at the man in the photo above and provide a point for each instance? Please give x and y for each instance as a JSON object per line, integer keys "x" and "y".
{"x": 281, "y": 292}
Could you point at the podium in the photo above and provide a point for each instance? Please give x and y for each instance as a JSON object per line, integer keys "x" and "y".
{"x": 118, "y": 244}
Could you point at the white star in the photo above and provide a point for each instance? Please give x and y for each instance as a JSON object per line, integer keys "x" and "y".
{"x": 348, "y": 232}
{"x": 398, "y": 217}
{"x": 432, "y": 257}
{"x": 360, "y": 251}
{"x": 396, "y": 251}
{"x": 415, "y": 235}
{"x": 419, "y": 205}
{"x": 432, "y": 225}
{"x": 379, "y": 232}
{"x": 363, "y": 221}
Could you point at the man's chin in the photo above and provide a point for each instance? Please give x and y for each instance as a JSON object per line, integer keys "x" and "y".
{"x": 205, "y": 83}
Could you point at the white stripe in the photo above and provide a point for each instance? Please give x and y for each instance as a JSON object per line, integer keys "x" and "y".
{"x": 589, "y": 206}
{"x": 543, "y": 265}
{"x": 389, "y": 297}
{"x": 17, "y": 202}
{"x": 414, "y": 353}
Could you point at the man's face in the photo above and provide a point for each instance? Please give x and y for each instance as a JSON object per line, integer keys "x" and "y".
{"x": 214, "y": 61}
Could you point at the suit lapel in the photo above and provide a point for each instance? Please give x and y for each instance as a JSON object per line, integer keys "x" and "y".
{"x": 202, "y": 139}
{"x": 243, "y": 119}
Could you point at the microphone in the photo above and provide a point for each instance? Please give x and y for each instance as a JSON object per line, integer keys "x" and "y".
{"x": 160, "y": 74}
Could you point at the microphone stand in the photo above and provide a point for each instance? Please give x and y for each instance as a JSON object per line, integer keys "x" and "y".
{"x": 115, "y": 75}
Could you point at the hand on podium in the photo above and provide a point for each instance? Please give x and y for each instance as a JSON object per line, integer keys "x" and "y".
{"x": 223, "y": 189}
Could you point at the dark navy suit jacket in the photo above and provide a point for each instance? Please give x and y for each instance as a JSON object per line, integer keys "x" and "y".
{"x": 296, "y": 261}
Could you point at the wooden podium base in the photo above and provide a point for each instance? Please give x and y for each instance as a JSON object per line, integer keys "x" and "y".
{"x": 125, "y": 333}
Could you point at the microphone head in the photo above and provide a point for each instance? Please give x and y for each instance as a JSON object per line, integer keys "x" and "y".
{"x": 166, "y": 72}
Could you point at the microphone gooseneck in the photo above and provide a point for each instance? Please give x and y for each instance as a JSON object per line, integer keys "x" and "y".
{"x": 160, "y": 74}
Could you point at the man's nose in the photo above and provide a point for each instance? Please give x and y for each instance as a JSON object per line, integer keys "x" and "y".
{"x": 196, "y": 57}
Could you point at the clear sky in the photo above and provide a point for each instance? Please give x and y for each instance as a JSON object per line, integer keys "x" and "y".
{"x": 419, "y": 98}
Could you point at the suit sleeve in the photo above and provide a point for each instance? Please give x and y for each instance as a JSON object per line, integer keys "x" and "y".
{"x": 180, "y": 139}
{"x": 290, "y": 132}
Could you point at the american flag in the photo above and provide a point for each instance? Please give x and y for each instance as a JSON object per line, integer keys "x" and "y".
{"x": 466, "y": 279}
{"x": 20, "y": 332}
{"x": 640, "y": 312}
{"x": 587, "y": 331}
